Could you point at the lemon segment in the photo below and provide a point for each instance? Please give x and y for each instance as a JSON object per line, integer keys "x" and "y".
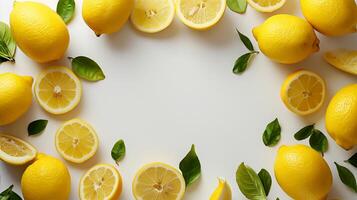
{"x": 76, "y": 141}
{"x": 200, "y": 14}
{"x": 16, "y": 151}
{"x": 266, "y": 5}
{"x": 102, "y": 181}
{"x": 58, "y": 90}
{"x": 303, "y": 92}
{"x": 151, "y": 16}
{"x": 342, "y": 59}
{"x": 222, "y": 192}
{"x": 158, "y": 181}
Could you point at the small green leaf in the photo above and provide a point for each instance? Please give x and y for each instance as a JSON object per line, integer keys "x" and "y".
{"x": 247, "y": 43}
{"x": 87, "y": 69}
{"x": 272, "y": 133}
{"x": 318, "y": 141}
{"x": 249, "y": 183}
{"x": 346, "y": 177}
{"x": 7, "y": 44}
{"x": 265, "y": 178}
{"x": 37, "y": 126}
{"x": 304, "y": 133}
{"x": 190, "y": 167}
{"x": 238, "y": 6}
{"x": 8, "y": 194}
{"x": 65, "y": 9}
{"x": 242, "y": 62}
{"x": 118, "y": 151}
{"x": 353, "y": 160}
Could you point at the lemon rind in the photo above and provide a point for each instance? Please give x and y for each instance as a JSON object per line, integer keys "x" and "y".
{"x": 268, "y": 8}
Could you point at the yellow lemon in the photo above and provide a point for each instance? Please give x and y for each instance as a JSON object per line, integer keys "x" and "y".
{"x": 222, "y": 192}
{"x": 303, "y": 92}
{"x": 341, "y": 117}
{"x": 286, "y": 39}
{"x": 158, "y": 181}
{"x": 266, "y": 5}
{"x": 331, "y": 17}
{"x": 15, "y": 96}
{"x": 102, "y": 181}
{"x": 302, "y": 173}
{"x": 106, "y": 16}
{"x": 39, "y": 31}
{"x": 343, "y": 59}
{"x": 47, "y": 178}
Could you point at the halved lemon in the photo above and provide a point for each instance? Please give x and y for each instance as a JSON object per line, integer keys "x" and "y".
{"x": 158, "y": 181}
{"x": 76, "y": 141}
{"x": 16, "y": 151}
{"x": 151, "y": 16}
{"x": 303, "y": 92}
{"x": 200, "y": 14}
{"x": 343, "y": 59}
{"x": 58, "y": 90}
{"x": 103, "y": 181}
{"x": 266, "y": 5}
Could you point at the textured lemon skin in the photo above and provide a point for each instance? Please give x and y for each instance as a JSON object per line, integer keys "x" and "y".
{"x": 341, "y": 117}
{"x": 222, "y": 192}
{"x": 39, "y": 32}
{"x": 302, "y": 173}
{"x": 15, "y": 96}
{"x": 47, "y": 178}
{"x": 331, "y": 17}
{"x": 106, "y": 16}
{"x": 286, "y": 39}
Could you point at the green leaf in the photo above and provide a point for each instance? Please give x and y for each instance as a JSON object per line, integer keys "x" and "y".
{"x": 190, "y": 167}
{"x": 346, "y": 177}
{"x": 8, "y": 194}
{"x": 318, "y": 141}
{"x": 7, "y": 43}
{"x": 242, "y": 62}
{"x": 304, "y": 133}
{"x": 118, "y": 151}
{"x": 87, "y": 69}
{"x": 265, "y": 178}
{"x": 249, "y": 183}
{"x": 37, "y": 126}
{"x": 247, "y": 43}
{"x": 272, "y": 133}
{"x": 353, "y": 160}
{"x": 65, "y": 9}
{"x": 238, "y": 6}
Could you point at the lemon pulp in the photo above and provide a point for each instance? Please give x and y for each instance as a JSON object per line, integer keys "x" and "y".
{"x": 15, "y": 151}
{"x": 266, "y": 5}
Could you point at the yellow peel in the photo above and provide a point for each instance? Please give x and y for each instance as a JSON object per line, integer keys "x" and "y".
{"x": 222, "y": 192}
{"x": 343, "y": 59}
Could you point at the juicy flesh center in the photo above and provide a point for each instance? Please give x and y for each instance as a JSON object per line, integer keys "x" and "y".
{"x": 99, "y": 184}
{"x": 13, "y": 148}
{"x": 200, "y": 11}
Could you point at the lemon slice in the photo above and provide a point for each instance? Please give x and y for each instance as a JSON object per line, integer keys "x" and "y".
{"x": 16, "y": 151}
{"x": 58, "y": 90}
{"x": 102, "y": 181}
{"x": 343, "y": 59}
{"x": 303, "y": 92}
{"x": 158, "y": 181}
{"x": 222, "y": 192}
{"x": 266, "y": 5}
{"x": 151, "y": 16}
{"x": 200, "y": 14}
{"x": 76, "y": 141}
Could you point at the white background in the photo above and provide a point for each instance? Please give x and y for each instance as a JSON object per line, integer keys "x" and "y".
{"x": 166, "y": 91}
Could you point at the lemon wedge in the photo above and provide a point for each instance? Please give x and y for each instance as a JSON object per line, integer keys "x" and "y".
{"x": 58, "y": 90}
{"x": 343, "y": 59}
{"x": 200, "y": 14}
{"x": 151, "y": 16}
{"x": 76, "y": 141}
{"x": 103, "y": 181}
{"x": 158, "y": 181}
{"x": 266, "y": 5}
{"x": 16, "y": 151}
{"x": 222, "y": 192}
{"x": 303, "y": 92}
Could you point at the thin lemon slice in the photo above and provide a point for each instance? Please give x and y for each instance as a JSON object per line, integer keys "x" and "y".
{"x": 152, "y": 16}
{"x": 303, "y": 92}
{"x": 101, "y": 182}
{"x": 343, "y": 59}
{"x": 58, "y": 90}
{"x": 200, "y": 14}
{"x": 266, "y": 5}
{"x": 76, "y": 141}
{"x": 16, "y": 151}
{"x": 158, "y": 181}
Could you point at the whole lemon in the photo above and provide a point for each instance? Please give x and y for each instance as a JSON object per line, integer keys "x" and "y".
{"x": 46, "y": 179}
{"x": 341, "y": 117}
{"x": 286, "y": 39}
{"x": 106, "y": 16}
{"x": 15, "y": 96}
{"x": 302, "y": 173}
{"x": 331, "y": 17}
{"x": 39, "y": 32}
